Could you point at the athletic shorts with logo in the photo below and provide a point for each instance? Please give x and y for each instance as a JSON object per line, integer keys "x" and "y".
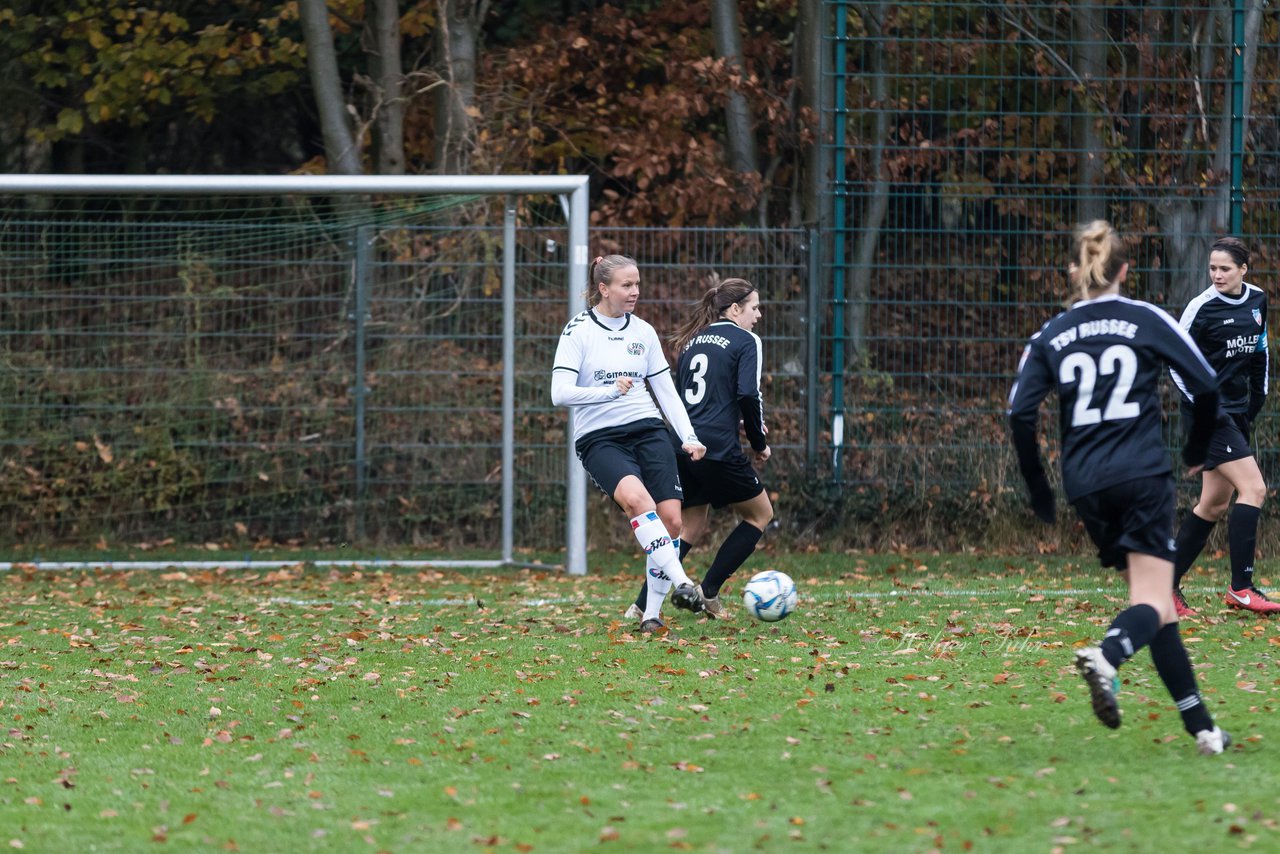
{"x": 1227, "y": 444}
{"x": 642, "y": 449}
{"x": 1133, "y": 516}
{"x": 717, "y": 482}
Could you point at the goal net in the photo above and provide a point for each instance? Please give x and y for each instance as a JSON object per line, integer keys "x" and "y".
{"x": 298, "y": 361}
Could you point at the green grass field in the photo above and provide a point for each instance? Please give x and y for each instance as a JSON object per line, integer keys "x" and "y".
{"x": 913, "y": 703}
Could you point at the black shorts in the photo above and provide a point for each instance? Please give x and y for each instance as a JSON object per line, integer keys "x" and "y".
{"x": 642, "y": 449}
{"x": 718, "y": 482}
{"x": 1227, "y": 444}
{"x": 1134, "y": 516}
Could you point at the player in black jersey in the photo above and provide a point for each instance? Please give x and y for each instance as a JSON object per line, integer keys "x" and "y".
{"x": 719, "y": 381}
{"x": 1229, "y": 323}
{"x": 1105, "y": 355}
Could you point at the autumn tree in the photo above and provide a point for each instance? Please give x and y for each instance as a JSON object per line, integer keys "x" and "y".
{"x": 1189, "y": 220}
{"x": 106, "y": 85}
{"x": 739, "y": 118}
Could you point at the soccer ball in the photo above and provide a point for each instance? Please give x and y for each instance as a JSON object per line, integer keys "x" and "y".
{"x": 770, "y": 595}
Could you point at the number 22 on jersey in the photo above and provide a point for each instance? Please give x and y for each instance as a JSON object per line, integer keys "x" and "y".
{"x": 1081, "y": 368}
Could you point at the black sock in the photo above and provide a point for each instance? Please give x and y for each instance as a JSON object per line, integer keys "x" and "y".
{"x": 1171, "y": 661}
{"x": 733, "y": 552}
{"x": 642, "y": 598}
{"x": 1242, "y": 533}
{"x": 1192, "y": 536}
{"x": 1130, "y": 631}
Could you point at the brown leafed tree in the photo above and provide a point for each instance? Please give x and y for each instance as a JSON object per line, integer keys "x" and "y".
{"x": 739, "y": 119}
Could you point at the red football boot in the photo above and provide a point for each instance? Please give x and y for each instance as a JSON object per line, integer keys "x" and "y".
{"x": 1251, "y": 599}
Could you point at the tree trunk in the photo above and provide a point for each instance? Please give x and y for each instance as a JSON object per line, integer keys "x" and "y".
{"x": 1091, "y": 39}
{"x": 726, "y": 30}
{"x": 322, "y": 63}
{"x": 807, "y": 197}
{"x": 877, "y": 200}
{"x": 457, "y": 39}
{"x": 382, "y": 23}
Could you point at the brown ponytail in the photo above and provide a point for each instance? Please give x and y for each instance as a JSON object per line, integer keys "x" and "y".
{"x": 714, "y": 303}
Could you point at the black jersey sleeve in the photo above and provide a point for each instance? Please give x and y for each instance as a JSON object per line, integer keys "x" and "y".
{"x": 1190, "y": 324}
{"x": 1259, "y": 370}
{"x": 1175, "y": 346}
{"x": 750, "y": 400}
{"x": 1034, "y": 382}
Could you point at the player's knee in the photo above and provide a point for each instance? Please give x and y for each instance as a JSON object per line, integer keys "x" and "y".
{"x": 1211, "y": 512}
{"x": 1254, "y": 494}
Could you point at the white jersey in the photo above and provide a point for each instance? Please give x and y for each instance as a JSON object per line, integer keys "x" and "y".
{"x": 598, "y": 350}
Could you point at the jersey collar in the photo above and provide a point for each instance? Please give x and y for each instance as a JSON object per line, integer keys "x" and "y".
{"x": 1244, "y": 294}
{"x": 1103, "y": 298}
{"x": 597, "y": 322}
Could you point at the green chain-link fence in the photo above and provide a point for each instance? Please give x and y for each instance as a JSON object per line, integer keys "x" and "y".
{"x": 965, "y": 140}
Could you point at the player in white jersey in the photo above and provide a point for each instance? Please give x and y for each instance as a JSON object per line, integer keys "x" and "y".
{"x": 605, "y": 360}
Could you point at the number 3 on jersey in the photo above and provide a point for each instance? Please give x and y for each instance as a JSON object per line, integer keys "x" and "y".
{"x": 1081, "y": 367}
{"x": 697, "y": 387}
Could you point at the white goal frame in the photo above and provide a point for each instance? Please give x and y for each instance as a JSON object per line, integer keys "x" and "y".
{"x": 572, "y": 190}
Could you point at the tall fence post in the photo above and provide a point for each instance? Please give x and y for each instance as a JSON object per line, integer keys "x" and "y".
{"x": 1237, "y": 117}
{"x": 839, "y": 267}
{"x": 359, "y": 387}
{"x": 813, "y": 337}
{"x": 508, "y": 378}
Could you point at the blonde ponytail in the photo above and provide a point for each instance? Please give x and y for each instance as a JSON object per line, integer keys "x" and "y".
{"x": 1098, "y": 255}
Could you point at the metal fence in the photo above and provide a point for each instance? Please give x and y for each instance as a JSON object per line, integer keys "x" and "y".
{"x": 239, "y": 375}
{"x": 155, "y": 387}
{"x": 965, "y": 139}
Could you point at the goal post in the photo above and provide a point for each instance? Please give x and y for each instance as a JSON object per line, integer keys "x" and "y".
{"x": 572, "y": 192}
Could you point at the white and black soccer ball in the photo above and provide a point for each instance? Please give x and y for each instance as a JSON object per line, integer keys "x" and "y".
{"x": 770, "y": 595}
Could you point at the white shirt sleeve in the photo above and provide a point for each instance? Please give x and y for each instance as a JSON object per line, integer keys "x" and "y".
{"x": 664, "y": 391}
{"x": 565, "y": 390}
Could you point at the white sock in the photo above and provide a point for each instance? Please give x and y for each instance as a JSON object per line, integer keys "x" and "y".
{"x": 658, "y": 547}
{"x": 659, "y": 584}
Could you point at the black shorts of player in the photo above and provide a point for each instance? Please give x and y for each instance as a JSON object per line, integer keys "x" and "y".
{"x": 641, "y": 449}
{"x": 718, "y": 482}
{"x": 1227, "y": 444}
{"x": 1133, "y": 516}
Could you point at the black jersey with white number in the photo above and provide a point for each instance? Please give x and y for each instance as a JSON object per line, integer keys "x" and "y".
{"x": 1105, "y": 357}
{"x": 1231, "y": 331}
{"x": 719, "y": 381}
